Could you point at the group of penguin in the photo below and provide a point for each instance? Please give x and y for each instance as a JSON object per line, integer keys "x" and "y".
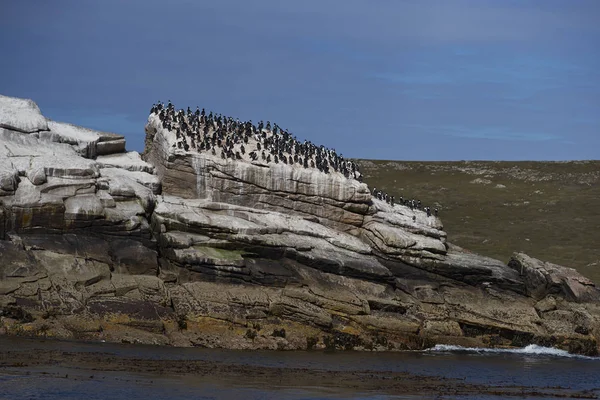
{"x": 233, "y": 139}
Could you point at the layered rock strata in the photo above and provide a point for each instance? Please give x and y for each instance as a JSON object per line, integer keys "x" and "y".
{"x": 186, "y": 248}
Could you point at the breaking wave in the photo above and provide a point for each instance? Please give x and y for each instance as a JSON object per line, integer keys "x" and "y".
{"x": 531, "y": 349}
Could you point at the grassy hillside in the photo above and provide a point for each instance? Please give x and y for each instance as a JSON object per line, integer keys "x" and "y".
{"x": 549, "y": 210}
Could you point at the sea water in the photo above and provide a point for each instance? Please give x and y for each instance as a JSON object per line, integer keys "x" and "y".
{"x": 532, "y": 366}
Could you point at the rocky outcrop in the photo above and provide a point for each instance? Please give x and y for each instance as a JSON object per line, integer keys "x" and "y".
{"x": 329, "y": 200}
{"x": 190, "y": 249}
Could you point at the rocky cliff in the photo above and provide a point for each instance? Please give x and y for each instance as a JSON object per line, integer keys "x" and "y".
{"x": 190, "y": 249}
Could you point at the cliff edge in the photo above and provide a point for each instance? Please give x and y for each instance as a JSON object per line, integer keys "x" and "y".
{"x": 196, "y": 248}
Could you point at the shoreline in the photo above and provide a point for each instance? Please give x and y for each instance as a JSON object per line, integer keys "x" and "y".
{"x": 35, "y": 359}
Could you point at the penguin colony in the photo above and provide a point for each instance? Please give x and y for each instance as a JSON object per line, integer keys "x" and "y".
{"x": 230, "y": 138}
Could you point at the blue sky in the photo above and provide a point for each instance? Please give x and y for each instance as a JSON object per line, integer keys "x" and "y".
{"x": 379, "y": 79}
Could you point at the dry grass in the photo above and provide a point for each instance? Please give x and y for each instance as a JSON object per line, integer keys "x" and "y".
{"x": 549, "y": 210}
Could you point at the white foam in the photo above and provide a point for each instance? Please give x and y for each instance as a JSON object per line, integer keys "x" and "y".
{"x": 531, "y": 349}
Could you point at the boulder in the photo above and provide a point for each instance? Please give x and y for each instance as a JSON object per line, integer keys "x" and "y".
{"x": 87, "y": 142}
{"x": 83, "y": 140}
{"x": 9, "y": 177}
{"x": 544, "y": 278}
{"x": 21, "y": 115}
{"x": 111, "y": 146}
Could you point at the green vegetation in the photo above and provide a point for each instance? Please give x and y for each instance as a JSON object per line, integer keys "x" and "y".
{"x": 182, "y": 322}
{"x": 311, "y": 342}
{"x": 549, "y": 210}
{"x": 251, "y": 334}
{"x": 278, "y": 333}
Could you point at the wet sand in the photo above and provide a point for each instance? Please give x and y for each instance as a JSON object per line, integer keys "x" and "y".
{"x": 76, "y": 365}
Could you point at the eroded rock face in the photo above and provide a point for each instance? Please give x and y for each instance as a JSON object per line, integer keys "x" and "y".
{"x": 190, "y": 249}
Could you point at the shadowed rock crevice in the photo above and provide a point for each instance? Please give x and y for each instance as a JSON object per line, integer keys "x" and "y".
{"x": 187, "y": 248}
